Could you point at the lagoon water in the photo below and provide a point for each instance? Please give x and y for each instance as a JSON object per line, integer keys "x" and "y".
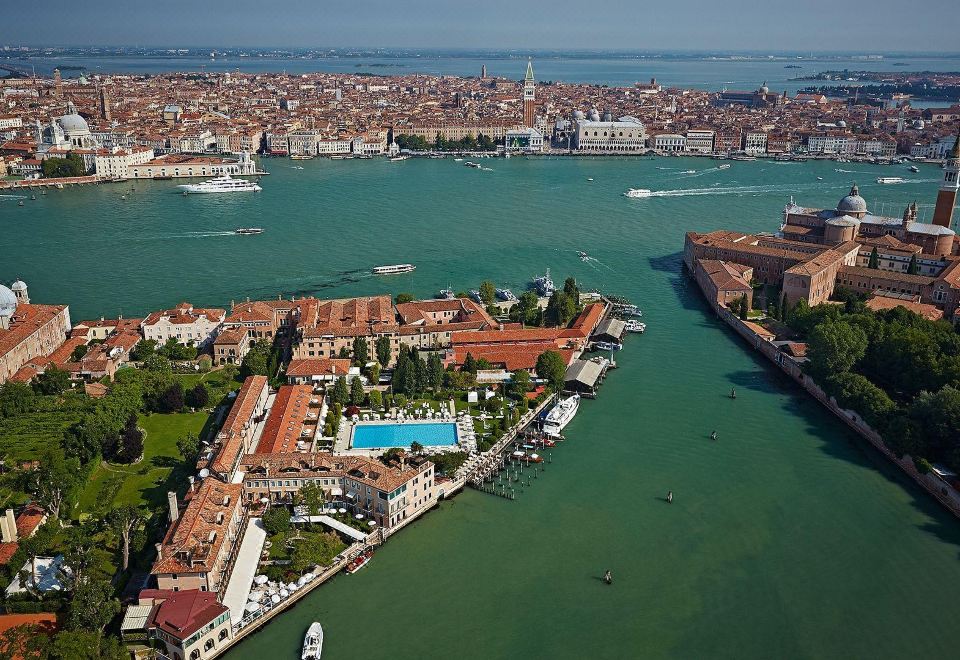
{"x": 786, "y": 538}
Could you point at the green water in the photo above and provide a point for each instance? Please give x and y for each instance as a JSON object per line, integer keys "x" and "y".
{"x": 786, "y": 537}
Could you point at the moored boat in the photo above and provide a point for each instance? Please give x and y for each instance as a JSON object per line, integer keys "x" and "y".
{"x": 560, "y": 415}
{"x": 506, "y": 295}
{"x": 312, "y": 642}
{"x": 544, "y": 285}
{"x": 606, "y": 346}
{"x": 633, "y": 325}
{"x": 359, "y": 562}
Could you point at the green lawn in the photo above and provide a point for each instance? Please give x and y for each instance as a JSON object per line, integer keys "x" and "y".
{"x": 219, "y": 382}
{"x": 148, "y": 481}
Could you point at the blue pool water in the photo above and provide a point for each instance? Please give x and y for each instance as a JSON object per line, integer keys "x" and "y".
{"x": 381, "y": 436}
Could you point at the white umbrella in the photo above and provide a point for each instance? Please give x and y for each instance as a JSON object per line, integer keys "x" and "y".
{"x": 291, "y": 587}
{"x": 274, "y": 599}
{"x": 359, "y": 516}
{"x": 261, "y": 579}
{"x": 254, "y": 596}
{"x": 252, "y": 607}
{"x": 342, "y": 510}
{"x": 302, "y": 581}
{"x": 284, "y": 593}
{"x": 372, "y": 522}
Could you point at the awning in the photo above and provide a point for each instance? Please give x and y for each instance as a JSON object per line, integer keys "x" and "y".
{"x": 336, "y": 491}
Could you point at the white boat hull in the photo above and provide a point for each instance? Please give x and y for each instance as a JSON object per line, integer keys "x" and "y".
{"x": 312, "y": 642}
{"x": 561, "y": 415}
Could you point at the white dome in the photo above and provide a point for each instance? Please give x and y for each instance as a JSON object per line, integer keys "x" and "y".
{"x": 8, "y": 301}
{"x": 73, "y": 124}
{"x": 19, "y": 285}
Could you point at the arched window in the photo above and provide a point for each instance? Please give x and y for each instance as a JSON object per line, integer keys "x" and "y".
{"x": 195, "y": 654}
{"x": 208, "y": 645}
{"x": 223, "y": 634}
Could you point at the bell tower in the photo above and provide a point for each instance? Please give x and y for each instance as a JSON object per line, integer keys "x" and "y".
{"x": 947, "y": 196}
{"x": 529, "y": 96}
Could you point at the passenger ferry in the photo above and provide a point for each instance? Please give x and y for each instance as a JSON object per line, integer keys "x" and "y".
{"x": 560, "y": 415}
{"x": 889, "y": 179}
{"x": 222, "y": 184}
{"x": 394, "y": 270}
{"x": 312, "y": 642}
{"x": 638, "y": 192}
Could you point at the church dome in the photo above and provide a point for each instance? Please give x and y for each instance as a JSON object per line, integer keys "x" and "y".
{"x": 73, "y": 124}
{"x": 8, "y": 301}
{"x": 853, "y": 203}
{"x": 19, "y": 285}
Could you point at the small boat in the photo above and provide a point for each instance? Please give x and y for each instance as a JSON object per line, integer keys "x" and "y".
{"x": 312, "y": 642}
{"x": 394, "y": 269}
{"x": 725, "y": 166}
{"x": 914, "y": 168}
{"x": 606, "y": 346}
{"x": 20, "y": 203}
{"x": 583, "y": 255}
{"x": 301, "y": 157}
{"x": 506, "y": 295}
{"x": 819, "y": 178}
{"x": 359, "y": 562}
{"x": 544, "y": 285}
{"x": 638, "y": 192}
{"x": 397, "y": 158}
{"x": 475, "y": 294}
{"x": 688, "y": 172}
{"x": 123, "y": 196}
{"x": 247, "y": 231}
{"x": 627, "y": 309}
{"x": 472, "y": 164}
{"x": 338, "y": 157}
{"x": 589, "y": 178}
{"x": 457, "y": 160}
{"x": 297, "y": 167}
{"x": 447, "y": 294}
{"x": 889, "y": 179}
{"x": 634, "y": 325}
{"x": 532, "y": 458}
{"x": 33, "y": 197}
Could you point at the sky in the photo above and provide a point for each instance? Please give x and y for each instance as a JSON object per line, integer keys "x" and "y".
{"x": 863, "y": 26}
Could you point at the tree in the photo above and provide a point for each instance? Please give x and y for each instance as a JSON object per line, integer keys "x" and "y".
{"x": 197, "y": 396}
{"x": 189, "y": 448}
{"x": 314, "y": 550}
{"x": 571, "y": 289}
{"x": 54, "y": 479}
{"x": 172, "y": 399}
{"x": 383, "y": 350}
{"x": 343, "y": 353}
{"x": 527, "y": 309}
{"x": 341, "y": 392}
{"x": 488, "y": 292}
{"x": 123, "y": 521}
{"x": 912, "y": 266}
{"x": 144, "y": 349}
{"x": 24, "y": 641}
{"x": 78, "y": 352}
{"x": 744, "y": 308}
{"x": 834, "y": 347}
{"x": 552, "y": 368}
{"x": 53, "y": 381}
{"x": 93, "y": 606}
{"x": 276, "y": 520}
{"x": 416, "y": 448}
{"x": 469, "y": 364}
{"x": 404, "y": 298}
{"x": 311, "y": 496}
{"x": 361, "y": 351}
{"x": 376, "y": 400}
{"x": 938, "y": 416}
{"x": 874, "y": 259}
{"x": 72, "y": 165}
{"x": 520, "y": 384}
{"x": 15, "y": 399}
{"x": 560, "y": 309}
{"x": 374, "y": 373}
{"x": 131, "y": 441}
{"x": 257, "y": 361}
{"x": 853, "y": 391}
{"x": 82, "y": 645}
{"x": 80, "y": 539}
{"x": 434, "y": 371}
{"x": 357, "y": 393}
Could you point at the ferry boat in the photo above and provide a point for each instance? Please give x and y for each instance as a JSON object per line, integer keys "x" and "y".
{"x": 606, "y": 346}
{"x": 300, "y": 157}
{"x": 359, "y": 562}
{"x": 544, "y": 285}
{"x": 507, "y": 295}
{"x": 394, "y": 269}
{"x": 247, "y": 231}
{"x": 560, "y": 415}
{"x": 889, "y": 179}
{"x": 312, "y": 642}
{"x": 634, "y": 325}
{"x": 638, "y": 192}
{"x": 221, "y": 184}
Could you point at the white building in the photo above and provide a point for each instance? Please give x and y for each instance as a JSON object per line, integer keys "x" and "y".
{"x": 330, "y": 147}
{"x": 669, "y": 142}
{"x": 185, "y": 323}
{"x": 115, "y": 163}
{"x": 623, "y": 135}
{"x": 523, "y": 140}
{"x": 827, "y": 144}
{"x": 699, "y": 141}
{"x": 192, "y": 166}
{"x": 755, "y": 143}
{"x": 9, "y": 121}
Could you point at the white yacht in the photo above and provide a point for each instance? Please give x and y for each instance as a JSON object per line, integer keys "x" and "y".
{"x": 222, "y": 184}
{"x": 638, "y": 192}
{"x": 394, "y": 270}
{"x": 560, "y": 415}
{"x": 312, "y": 642}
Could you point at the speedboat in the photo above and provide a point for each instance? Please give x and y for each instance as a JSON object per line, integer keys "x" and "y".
{"x": 359, "y": 562}
{"x": 312, "y": 642}
{"x": 396, "y": 158}
{"x": 221, "y": 184}
{"x": 688, "y": 172}
{"x": 583, "y": 255}
{"x": 606, "y": 346}
{"x": 589, "y": 178}
{"x": 247, "y": 231}
{"x": 447, "y": 294}
{"x": 914, "y": 168}
{"x": 472, "y": 164}
{"x": 560, "y": 415}
{"x": 638, "y": 192}
{"x": 475, "y": 294}
{"x": 725, "y": 166}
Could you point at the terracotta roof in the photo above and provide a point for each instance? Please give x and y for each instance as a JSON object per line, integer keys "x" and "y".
{"x": 231, "y": 336}
{"x": 26, "y": 320}
{"x": 365, "y": 470}
{"x": 288, "y": 420}
{"x": 318, "y": 367}
{"x": 185, "y": 612}
{"x": 231, "y": 434}
{"x": 929, "y": 312}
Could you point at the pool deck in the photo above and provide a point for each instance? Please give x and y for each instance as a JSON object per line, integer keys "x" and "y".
{"x": 342, "y": 444}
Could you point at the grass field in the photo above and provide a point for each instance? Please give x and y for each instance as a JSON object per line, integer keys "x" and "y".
{"x": 147, "y": 482}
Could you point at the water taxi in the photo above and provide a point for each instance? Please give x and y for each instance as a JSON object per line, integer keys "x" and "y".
{"x": 583, "y": 255}
{"x": 638, "y": 192}
{"x": 394, "y": 269}
{"x": 725, "y": 166}
{"x": 889, "y": 179}
{"x": 397, "y": 158}
{"x": 359, "y": 562}
{"x": 312, "y": 642}
{"x": 560, "y": 415}
{"x": 472, "y": 164}
{"x": 914, "y": 169}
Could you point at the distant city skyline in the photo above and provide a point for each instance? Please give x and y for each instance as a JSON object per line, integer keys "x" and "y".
{"x": 697, "y": 25}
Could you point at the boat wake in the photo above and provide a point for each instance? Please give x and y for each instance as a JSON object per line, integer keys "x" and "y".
{"x": 487, "y": 169}
{"x": 724, "y": 190}
{"x": 13, "y": 196}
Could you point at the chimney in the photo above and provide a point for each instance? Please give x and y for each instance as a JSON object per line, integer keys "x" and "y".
{"x": 8, "y": 527}
{"x": 159, "y": 547}
{"x": 174, "y": 507}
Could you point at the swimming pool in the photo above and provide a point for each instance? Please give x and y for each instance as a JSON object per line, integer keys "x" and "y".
{"x": 384, "y": 436}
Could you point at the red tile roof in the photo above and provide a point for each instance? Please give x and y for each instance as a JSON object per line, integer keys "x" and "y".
{"x": 185, "y": 612}
{"x": 287, "y": 421}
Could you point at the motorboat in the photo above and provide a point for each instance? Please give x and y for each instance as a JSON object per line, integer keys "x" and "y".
{"x": 475, "y": 294}
{"x": 688, "y": 172}
{"x": 634, "y": 325}
{"x": 560, "y": 415}
{"x": 725, "y": 166}
{"x": 394, "y": 269}
{"x": 221, "y": 184}
{"x": 447, "y": 294}
{"x": 606, "y": 346}
{"x": 359, "y": 562}
{"x": 589, "y": 178}
{"x": 396, "y": 158}
{"x": 638, "y": 192}
{"x": 889, "y": 179}
{"x": 300, "y": 157}
{"x": 627, "y": 309}
{"x": 914, "y": 168}
{"x": 247, "y": 231}
{"x": 583, "y": 255}
{"x": 506, "y": 295}
{"x": 312, "y": 642}
{"x": 472, "y": 164}
{"x": 544, "y": 285}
